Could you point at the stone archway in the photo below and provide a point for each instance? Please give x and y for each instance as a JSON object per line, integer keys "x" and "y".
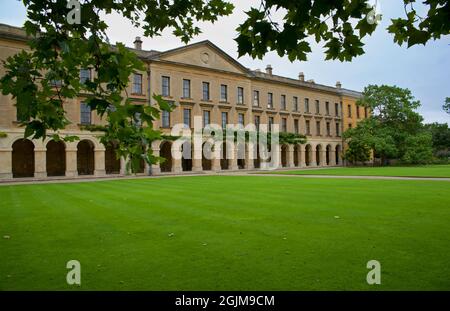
{"x": 308, "y": 155}
{"x": 112, "y": 163}
{"x": 207, "y": 155}
{"x": 23, "y": 158}
{"x": 328, "y": 155}
{"x": 186, "y": 160}
{"x": 318, "y": 154}
{"x": 224, "y": 161}
{"x": 284, "y": 156}
{"x": 165, "y": 151}
{"x": 56, "y": 158}
{"x": 240, "y": 153}
{"x": 297, "y": 155}
{"x": 85, "y": 157}
{"x": 338, "y": 155}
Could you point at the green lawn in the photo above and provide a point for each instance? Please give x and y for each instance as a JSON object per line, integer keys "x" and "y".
{"x": 400, "y": 171}
{"x": 226, "y": 233}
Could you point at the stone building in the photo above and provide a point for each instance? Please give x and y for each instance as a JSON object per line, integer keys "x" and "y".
{"x": 201, "y": 80}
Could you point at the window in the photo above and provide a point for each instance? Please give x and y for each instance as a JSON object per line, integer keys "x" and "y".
{"x": 338, "y": 131}
{"x": 295, "y": 103}
{"x": 283, "y": 102}
{"x": 296, "y": 128}
{"x": 308, "y": 127}
{"x": 349, "y": 111}
{"x": 306, "y": 105}
{"x": 328, "y": 129}
{"x": 357, "y": 112}
{"x": 137, "y": 83}
{"x": 186, "y": 88}
{"x": 165, "y": 117}
{"x": 256, "y": 98}
{"x": 366, "y": 113}
{"x": 224, "y": 120}
{"x": 269, "y": 100}
{"x": 85, "y": 75}
{"x": 205, "y": 90}
{"x": 270, "y": 124}
{"x": 187, "y": 117}
{"x": 284, "y": 125}
{"x": 240, "y": 95}
{"x": 241, "y": 119}
{"x": 327, "y": 108}
{"x": 206, "y": 117}
{"x": 85, "y": 114}
{"x": 336, "y": 109}
{"x": 165, "y": 86}
{"x": 257, "y": 122}
{"x": 318, "y": 128}
{"x": 350, "y": 125}
{"x": 223, "y": 93}
{"x": 317, "y": 107}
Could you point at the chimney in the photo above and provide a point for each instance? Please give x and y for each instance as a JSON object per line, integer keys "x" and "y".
{"x": 138, "y": 43}
{"x": 269, "y": 70}
{"x": 301, "y": 76}
{"x": 338, "y": 85}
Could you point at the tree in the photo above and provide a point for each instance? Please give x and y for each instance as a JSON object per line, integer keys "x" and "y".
{"x": 40, "y": 80}
{"x": 440, "y": 134}
{"x": 394, "y": 129}
{"x": 418, "y": 149}
{"x": 446, "y": 106}
{"x": 340, "y": 25}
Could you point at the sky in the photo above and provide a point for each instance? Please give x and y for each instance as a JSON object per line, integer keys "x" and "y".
{"x": 425, "y": 70}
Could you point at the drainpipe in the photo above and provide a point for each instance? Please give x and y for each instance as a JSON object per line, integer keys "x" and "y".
{"x": 149, "y": 94}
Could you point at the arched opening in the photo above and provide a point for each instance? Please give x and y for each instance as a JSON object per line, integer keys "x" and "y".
{"x": 308, "y": 156}
{"x": 257, "y": 156}
{"x": 23, "y": 158}
{"x": 284, "y": 151}
{"x": 186, "y": 161}
{"x": 241, "y": 156}
{"x": 318, "y": 154}
{"x": 85, "y": 158}
{"x": 338, "y": 155}
{"x": 56, "y": 158}
{"x": 224, "y": 165}
{"x": 297, "y": 155}
{"x": 328, "y": 155}
{"x": 207, "y": 155}
{"x": 165, "y": 151}
{"x": 112, "y": 163}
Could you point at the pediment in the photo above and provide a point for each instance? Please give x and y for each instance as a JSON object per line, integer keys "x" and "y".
{"x": 203, "y": 54}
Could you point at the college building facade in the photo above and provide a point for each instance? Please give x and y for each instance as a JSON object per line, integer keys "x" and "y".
{"x": 201, "y": 81}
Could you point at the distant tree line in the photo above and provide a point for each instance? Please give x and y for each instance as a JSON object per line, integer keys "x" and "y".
{"x": 395, "y": 130}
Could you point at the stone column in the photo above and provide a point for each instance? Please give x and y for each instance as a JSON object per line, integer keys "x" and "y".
{"x": 156, "y": 169}
{"x": 197, "y": 158}
{"x": 233, "y": 162}
{"x": 275, "y": 162}
{"x": 249, "y": 158}
{"x": 71, "y": 162}
{"x": 99, "y": 163}
{"x": 322, "y": 159}
{"x": 302, "y": 155}
{"x": 290, "y": 156}
{"x": 332, "y": 157}
{"x": 40, "y": 162}
{"x": 6, "y": 163}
